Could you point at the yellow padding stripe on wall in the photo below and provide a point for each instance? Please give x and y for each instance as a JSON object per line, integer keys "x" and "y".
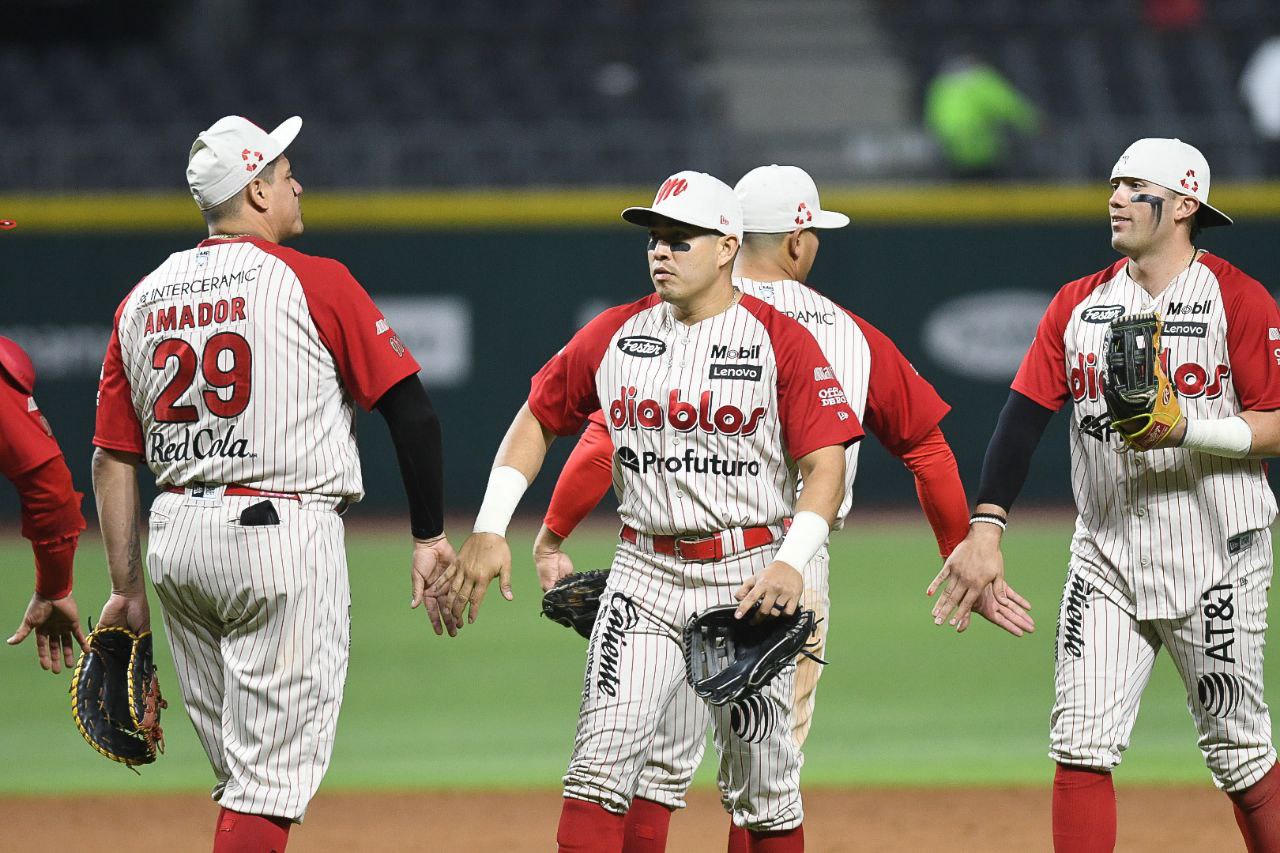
{"x": 333, "y": 211}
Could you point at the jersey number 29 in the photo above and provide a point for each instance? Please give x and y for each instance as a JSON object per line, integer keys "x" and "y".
{"x": 236, "y": 377}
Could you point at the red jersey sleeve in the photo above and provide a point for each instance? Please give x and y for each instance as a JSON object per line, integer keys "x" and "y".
{"x": 1253, "y": 337}
{"x": 1043, "y": 374}
{"x": 25, "y": 439}
{"x": 116, "y": 426}
{"x": 369, "y": 354}
{"x": 586, "y": 476}
{"x": 902, "y": 407}
{"x": 812, "y": 407}
{"x": 563, "y": 393}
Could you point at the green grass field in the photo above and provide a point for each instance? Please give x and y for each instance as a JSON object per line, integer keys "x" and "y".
{"x": 901, "y": 703}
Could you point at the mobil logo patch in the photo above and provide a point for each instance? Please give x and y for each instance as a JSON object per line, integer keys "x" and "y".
{"x": 1101, "y": 313}
{"x": 642, "y": 346}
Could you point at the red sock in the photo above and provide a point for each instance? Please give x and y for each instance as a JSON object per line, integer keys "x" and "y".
{"x": 739, "y": 839}
{"x": 588, "y": 828}
{"x": 1084, "y": 811}
{"x": 1258, "y": 813}
{"x": 237, "y": 832}
{"x": 786, "y": 841}
{"x": 645, "y": 829}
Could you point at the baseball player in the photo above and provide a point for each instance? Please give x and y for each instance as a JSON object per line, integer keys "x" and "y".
{"x": 233, "y": 372}
{"x": 51, "y": 519}
{"x": 717, "y": 404}
{"x": 781, "y": 209}
{"x": 1171, "y": 547}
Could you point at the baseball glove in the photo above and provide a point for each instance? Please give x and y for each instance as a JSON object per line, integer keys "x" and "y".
{"x": 575, "y": 600}
{"x": 115, "y": 697}
{"x": 1141, "y": 400}
{"x": 727, "y": 659}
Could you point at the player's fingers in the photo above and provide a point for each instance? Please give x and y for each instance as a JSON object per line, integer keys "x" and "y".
{"x": 80, "y": 637}
{"x": 944, "y": 603}
{"x": 21, "y": 634}
{"x": 477, "y": 598}
{"x": 745, "y": 589}
{"x": 504, "y": 581}
{"x": 433, "y": 615}
{"x": 749, "y": 599}
{"x": 42, "y": 651}
{"x": 791, "y": 607}
{"x": 964, "y": 623}
{"x": 1001, "y": 620}
{"x": 937, "y": 581}
{"x": 67, "y": 651}
{"x": 1017, "y": 599}
{"x": 1017, "y": 616}
{"x": 419, "y": 586}
{"x": 964, "y": 606}
{"x": 1001, "y": 590}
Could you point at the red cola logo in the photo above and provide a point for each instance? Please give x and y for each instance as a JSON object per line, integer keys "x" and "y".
{"x": 1191, "y": 379}
{"x": 626, "y": 412}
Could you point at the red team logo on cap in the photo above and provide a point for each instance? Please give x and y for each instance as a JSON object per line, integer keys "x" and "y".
{"x": 249, "y": 164}
{"x": 803, "y": 214}
{"x": 8, "y": 224}
{"x": 670, "y": 187}
{"x": 1190, "y": 182}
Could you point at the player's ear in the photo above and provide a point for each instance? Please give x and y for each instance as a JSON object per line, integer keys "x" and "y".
{"x": 727, "y": 250}
{"x": 794, "y": 241}
{"x": 256, "y": 194}
{"x": 1185, "y": 209}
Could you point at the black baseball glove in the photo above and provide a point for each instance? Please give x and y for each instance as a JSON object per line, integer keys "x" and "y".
{"x": 575, "y": 600}
{"x": 115, "y": 697}
{"x": 727, "y": 659}
{"x": 1140, "y": 398}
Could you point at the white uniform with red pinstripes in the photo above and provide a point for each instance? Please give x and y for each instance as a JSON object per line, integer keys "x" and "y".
{"x": 707, "y": 422}
{"x": 896, "y": 405}
{"x": 240, "y": 362}
{"x": 1172, "y": 548}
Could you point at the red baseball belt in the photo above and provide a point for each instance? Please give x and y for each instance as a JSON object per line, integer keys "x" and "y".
{"x": 702, "y": 549}
{"x": 239, "y": 492}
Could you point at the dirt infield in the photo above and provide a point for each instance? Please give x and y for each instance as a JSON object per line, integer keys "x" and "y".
{"x": 952, "y": 819}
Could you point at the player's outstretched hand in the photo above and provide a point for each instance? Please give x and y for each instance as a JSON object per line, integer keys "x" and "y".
{"x": 484, "y": 556}
{"x": 428, "y": 571}
{"x": 56, "y": 623}
{"x": 778, "y": 589}
{"x": 552, "y": 563}
{"x": 973, "y": 566}
{"x": 127, "y": 611}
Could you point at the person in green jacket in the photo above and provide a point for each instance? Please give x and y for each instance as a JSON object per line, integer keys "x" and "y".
{"x": 973, "y": 110}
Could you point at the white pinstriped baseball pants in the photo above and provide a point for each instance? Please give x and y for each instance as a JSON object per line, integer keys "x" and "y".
{"x": 1105, "y": 658}
{"x": 635, "y": 671}
{"x": 258, "y": 620}
{"x": 681, "y": 737}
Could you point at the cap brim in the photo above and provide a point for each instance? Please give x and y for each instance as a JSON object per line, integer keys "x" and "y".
{"x": 829, "y": 219}
{"x": 1209, "y": 216}
{"x": 287, "y": 131}
{"x": 645, "y": 217}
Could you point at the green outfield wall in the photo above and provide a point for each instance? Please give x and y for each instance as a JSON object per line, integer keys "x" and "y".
{"x": 484, "y": 287}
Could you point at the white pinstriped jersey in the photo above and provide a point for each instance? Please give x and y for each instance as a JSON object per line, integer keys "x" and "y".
{"x": 706, "y": 420}
{"x": 239, "y": 362}
{"x": 899, "y": 407}
{"x": 1160, "y": 526}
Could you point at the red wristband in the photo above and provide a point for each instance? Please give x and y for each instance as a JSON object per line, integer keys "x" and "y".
{"x": 54, "y": 566}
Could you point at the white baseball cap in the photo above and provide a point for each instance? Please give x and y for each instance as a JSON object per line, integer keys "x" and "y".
{"x": 228, "y": 155}
{"x": 694, "y": 198}
{"x": 1174, "y": 165}
{"x": 777, "y": 199}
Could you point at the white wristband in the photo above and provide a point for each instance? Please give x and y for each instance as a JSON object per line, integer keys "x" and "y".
{"x": 506, "y": 487}
{"x": 808, "y": 533}
{"x": 1230, "y": 437}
